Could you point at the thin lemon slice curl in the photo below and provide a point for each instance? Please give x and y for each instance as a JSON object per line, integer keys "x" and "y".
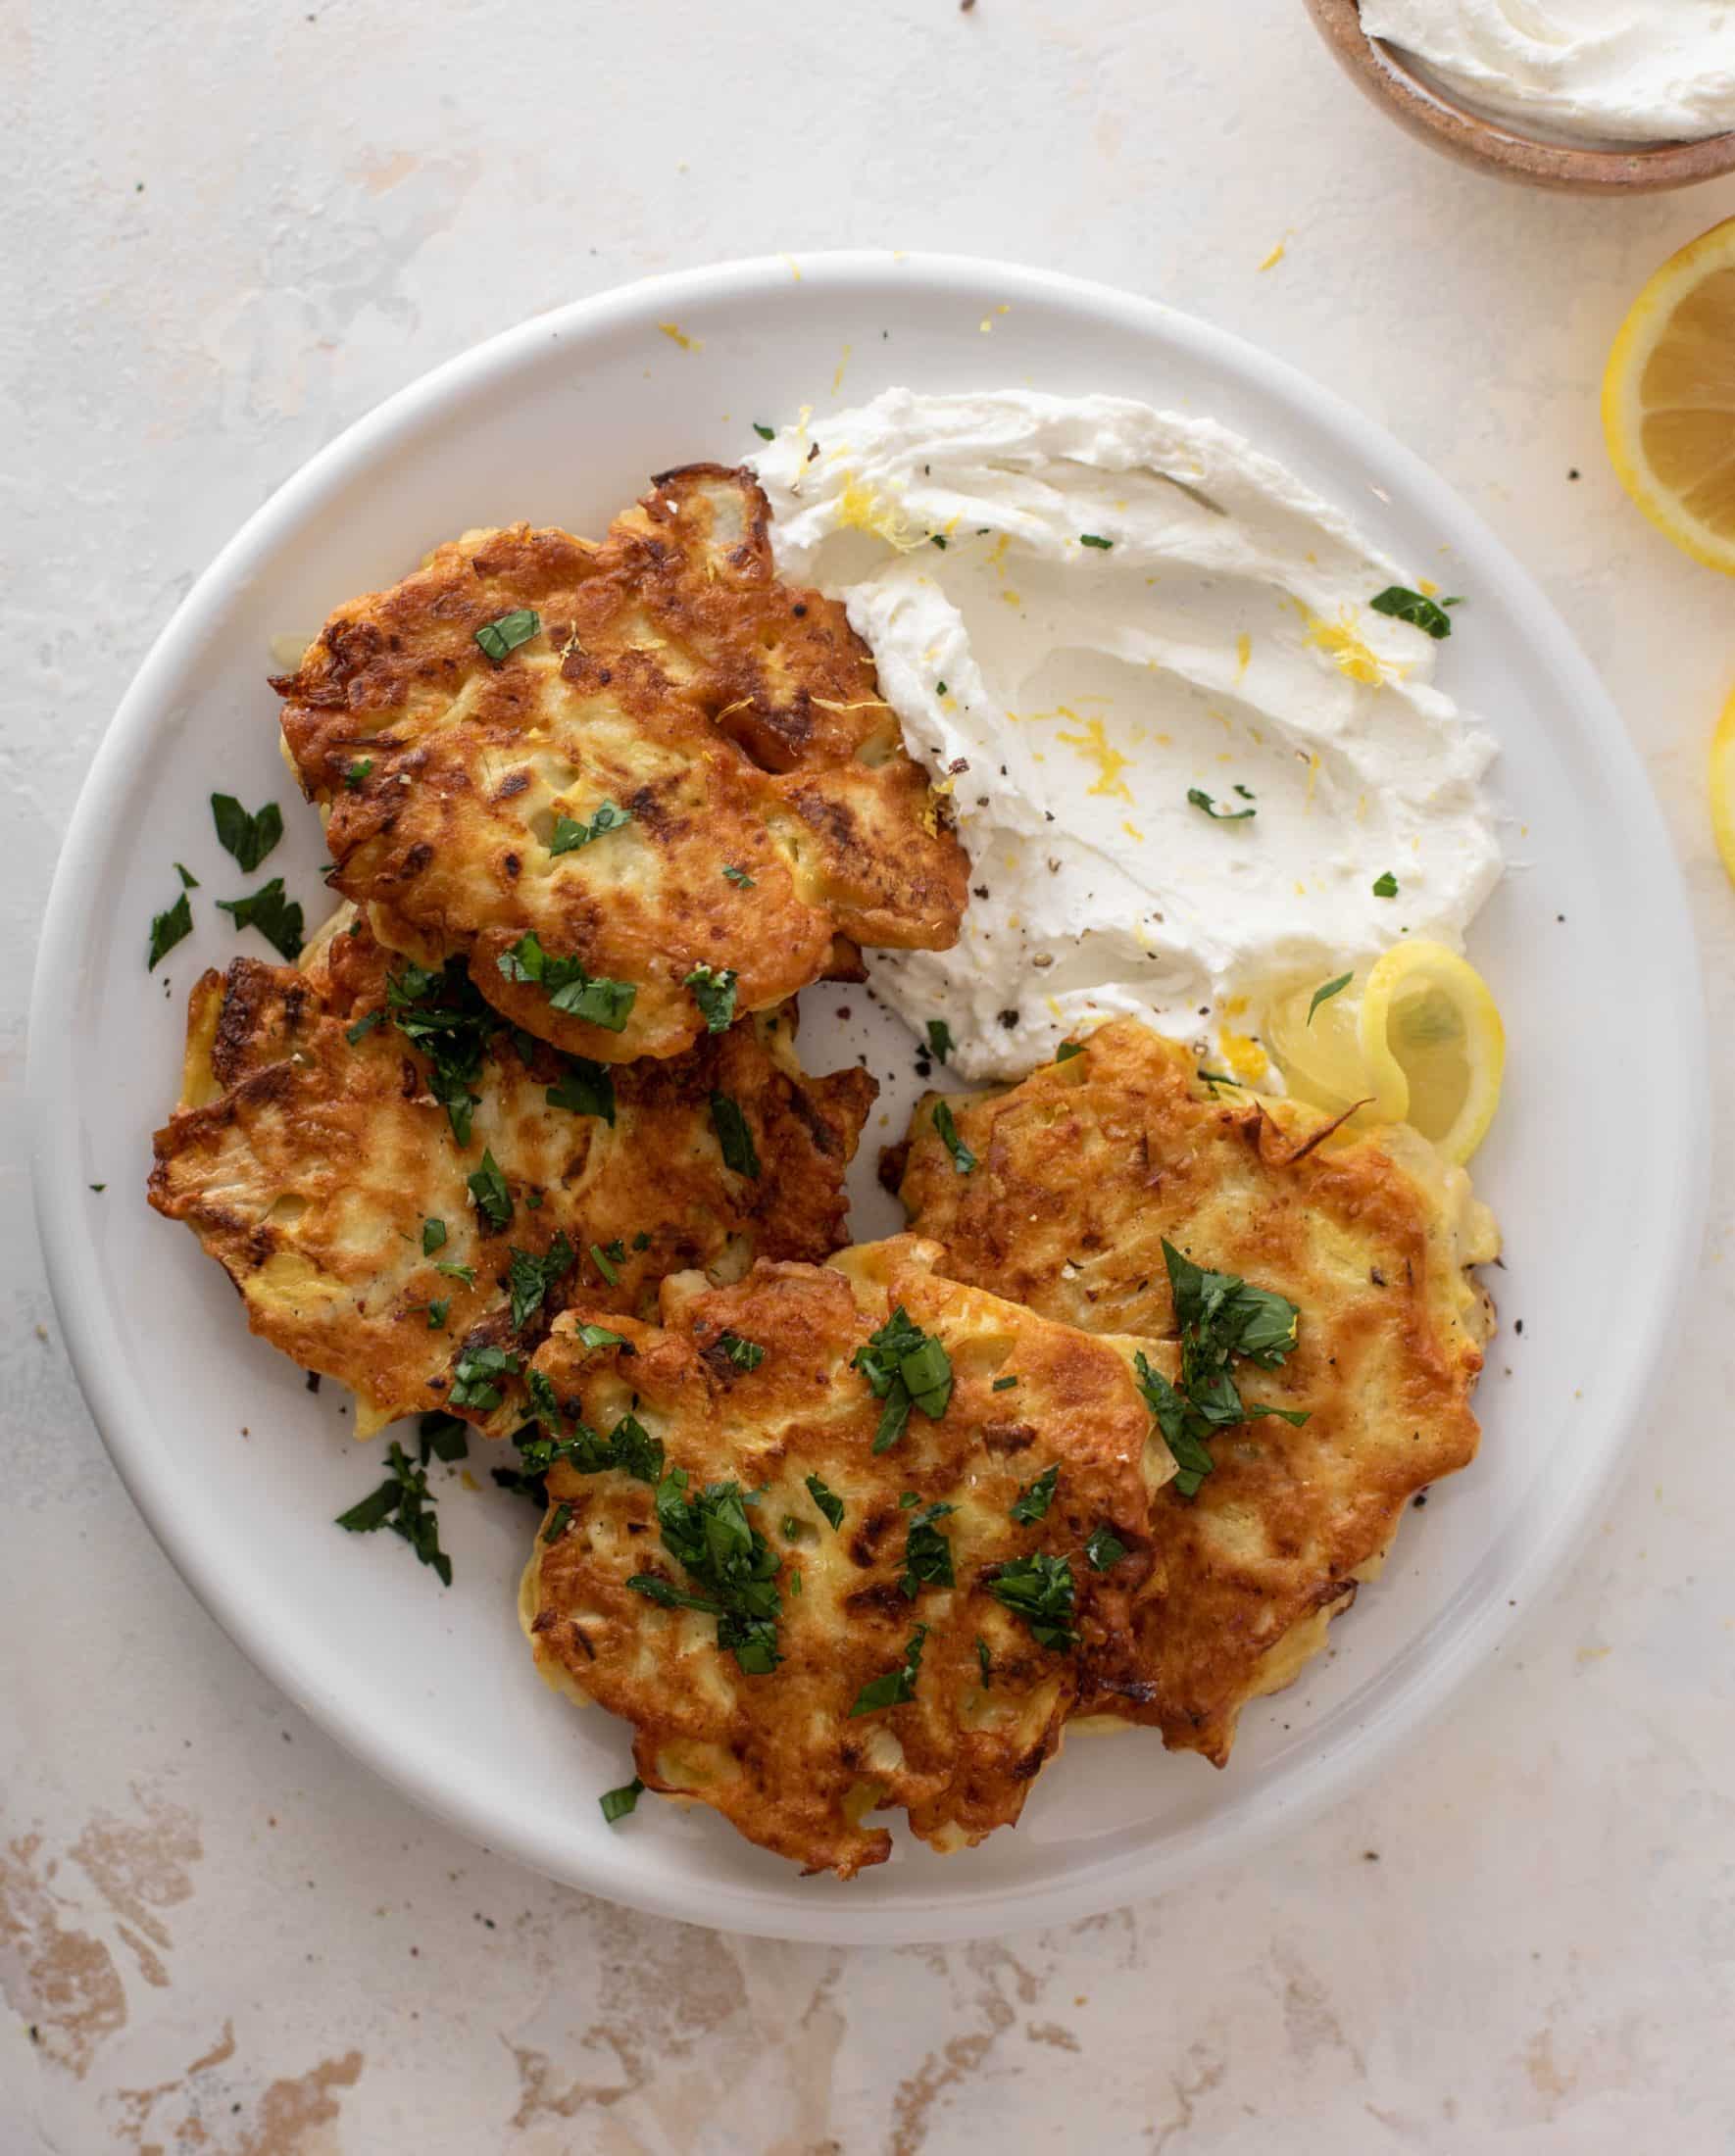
{"x": 1668, "y": 399}
{"x": 1722, "y": 786}
{"x": 1415, "y": 1039}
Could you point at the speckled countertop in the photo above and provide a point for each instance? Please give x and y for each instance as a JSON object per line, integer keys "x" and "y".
{"x": 228, "y": 235}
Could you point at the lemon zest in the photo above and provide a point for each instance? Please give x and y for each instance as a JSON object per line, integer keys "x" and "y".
{"x": 1094, "y": 746}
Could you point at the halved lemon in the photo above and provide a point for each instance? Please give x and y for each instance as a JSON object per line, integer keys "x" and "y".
{"x": 1722, "y": 786}
{"x": 1668, "y": 399}
{"x": 1415, "y": 1039}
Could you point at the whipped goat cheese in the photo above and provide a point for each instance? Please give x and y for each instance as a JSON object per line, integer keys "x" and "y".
{"x": 1615, "y": 71}
{"x": 1085, "y": 611}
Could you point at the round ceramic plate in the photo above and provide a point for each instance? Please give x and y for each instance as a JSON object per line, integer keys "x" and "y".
{"x": 1593, "y": 1165}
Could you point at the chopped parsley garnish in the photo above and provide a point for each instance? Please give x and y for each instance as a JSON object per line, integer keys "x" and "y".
{"x": 433, "y": 1237}
{"x": 355, "y": 1035}
{"x": 1067, "y": 1049}
{"x": 570, "y": 835}
{"x": 587, "y": 1089}
{"x": 734, "y": 1135}
{"x": 764, "y": 433}
{"x": 641, "y": 1240}
{"x": 1325, "y": 994}
{"x": 506, "y": 631}
{"x": 1386, "y": 886}
{"x": 905, "y": 1369}
{"x": 1039, "y": 1590}
{"x": 1219, "y": 1316}
{"x": 1103, "y": 1548}
{"x": 713, "y": 991}
{"x": 465, "y": 1273}
{"x": 1216, "y": 1078}
{"x": 442, "y": 1438}
{"x": 939, "y": 1039}
{"x": 167, "y": 929}
{"x": 1034, "y": 1499}
{"x": 745, "y": 1354}
{"x": 897, "y": 1684}
{"x": 567, "y": 985}
{"x": 440, "y": 1012}
{"x": 604, "y": 1264}
{"x": 249, "y": 838}
{"x": 530, "y": 1278}
{"x": 1090, "y": 539}
{"x": 403, "y": 1503}
{"x": 963, "y": 1159}
{"x": 616, "y": 1803}
{"x": 827, "y": 1500}
{"x": 928, "y": 1554}
{"x": 474, "y": 1375}
{"x": 711, "y": 1536}
{"x": 277, "y": 919}
{"x": 1198, "y": 798}
{"x": 629, "y": 1446}
{"x": 357, "y": 772}
{"x": 985, "y": 1663}
{"x": 1246, "y": 792}
{"x": 1004, "y": 1384}
{"x": 437, "y": 1313}
{"x": 1421, "y": 612}
{"x": 937, "y": 539}
{"x": 940, "y": 689}
{"x": 739, "y": 877}
{"x": 599, "y": 1336}
{"x": 559, "y": 1521}
{"x": 188, "y": 881}
{"x": 488, "y": 1186}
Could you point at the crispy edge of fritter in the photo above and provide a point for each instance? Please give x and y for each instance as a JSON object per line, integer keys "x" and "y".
{"x": 991, "y": 1221}
{"x": 774, "y": 696}
{"x": 960, "y": 1757}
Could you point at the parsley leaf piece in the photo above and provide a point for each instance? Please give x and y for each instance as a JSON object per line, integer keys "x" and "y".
{"x": 570, "y": 834}
{"x": 739, "y": 877}
{"x": 633, "y": 1449}
{"x": 188, "y": 881}
{"x": 1325, "y": 994}
{"x": 1039, "y": 1589}
{"x": 616, "y": 1803}
{"x": 587, "y": 1089}
{"x": 599, "y": 1336}
{"x": 404, "y": 1503}
{"x": 713, "y": 991}
{"x": 530, "y": 1278}
{"x": 1103, "y": 1548}
{"x": 277, "y": 919}
{"x": 734, "y": 1135}
{"x": 599, "y": 1258}
{"x": 928, "y": 1554}
{"x": 1386, "y": 886}
{"x": 1246, "y": 792}
{"x": 1067, "y": 1049}
{"x": 465, "y": 1273}
{"x": 827, "y": 1500}
{"x": 1409, "y": 606}
{"x": 437, "y": 1313}
{"x": 939, "y": 1039}
{"x": 441, "y": 1012}
{"x": 355, "y": 1035}
{"x": 167, "y": 929}
{"x": 1090, "y": 539}
{"x": 488, "y": 1186}
{"x": 1034, "y": 1499}
{"x": 474, "y": 1375}
{"x": 745, "y": 1354}
{"x": 897, "y": 1684}
{"x": 963, "y": 1159}
{"x": 559, "y": 1521}
{"x": 433, "y": 1235}
{"x": 540, "y": 1387}
{"x": 764, "y": 433}
{"x": 442, "y": 1438}
{"x": 249, "y": 838}
{"x": 985, "y": 1663}
{"x": 1004, "y": 1384}
{"x": 567, "y": 985}
{"x": 506, "y": 631}
{"x": 1198, "y": 798}
{"x": 711, "y": 1536}
{"x": 357, "y": 772}
{"x": 905, "y": 1368}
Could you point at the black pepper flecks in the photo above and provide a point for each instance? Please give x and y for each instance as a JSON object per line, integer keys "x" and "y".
{"x": 1008, "y": 1020}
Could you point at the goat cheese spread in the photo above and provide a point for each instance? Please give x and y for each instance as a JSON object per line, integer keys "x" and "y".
{"x": 1617, "y": 70}
{"x": 1140, "y": 656}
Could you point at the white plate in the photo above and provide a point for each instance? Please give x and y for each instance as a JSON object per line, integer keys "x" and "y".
{"x": 1594, "y": 1165}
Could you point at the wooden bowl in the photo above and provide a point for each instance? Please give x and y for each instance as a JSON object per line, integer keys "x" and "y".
{"x": 1459, "y": 132}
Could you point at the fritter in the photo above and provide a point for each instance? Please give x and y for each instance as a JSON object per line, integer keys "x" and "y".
{"x": 668, "y": 770}
{"x": 404, "y": 1192}
{"x": 1080, "y": 1174}
{"x": 802, "y": 1628}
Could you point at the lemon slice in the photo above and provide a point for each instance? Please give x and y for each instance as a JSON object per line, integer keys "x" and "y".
{"x": 1722, "y": 786}
{"x": 1668, "y": 399}
{"x": 1415, "y": 1039}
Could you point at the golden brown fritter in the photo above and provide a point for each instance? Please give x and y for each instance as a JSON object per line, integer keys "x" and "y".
{"x": 1082, "y": 1172}
{"x": 667, "y": 674}
{"x": 309, "y": 1155}
{"x": 776, "y": 1748}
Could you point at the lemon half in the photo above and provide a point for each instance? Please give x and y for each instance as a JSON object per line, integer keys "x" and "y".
{"x": 1416, "y": 1037}
{"x": 1668, "y": 399}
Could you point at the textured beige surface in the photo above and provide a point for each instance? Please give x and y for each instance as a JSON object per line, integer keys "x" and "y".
{"x": 227, "y": 240}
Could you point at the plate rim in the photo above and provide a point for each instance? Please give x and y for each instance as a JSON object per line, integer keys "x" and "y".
{"x": 93, "y": 1349}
